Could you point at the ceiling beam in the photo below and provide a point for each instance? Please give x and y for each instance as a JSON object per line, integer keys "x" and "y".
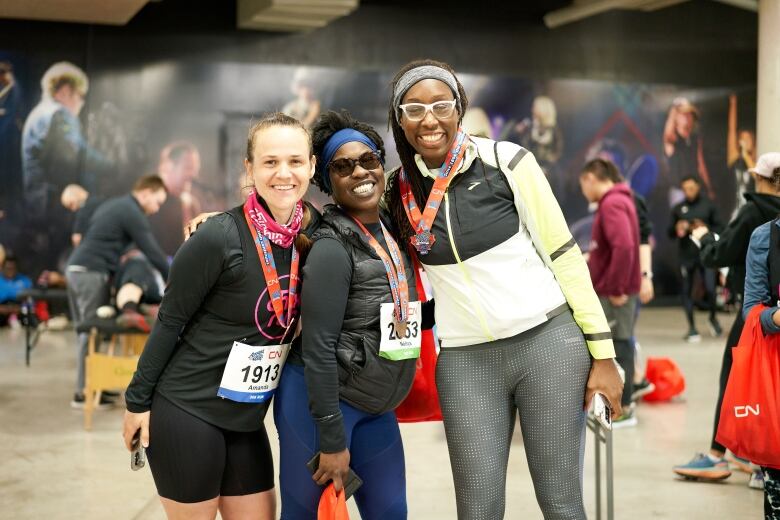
{"x": 106, "y": 12}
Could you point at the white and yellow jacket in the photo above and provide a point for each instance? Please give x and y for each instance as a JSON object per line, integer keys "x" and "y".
{"x": 504, "y": 260}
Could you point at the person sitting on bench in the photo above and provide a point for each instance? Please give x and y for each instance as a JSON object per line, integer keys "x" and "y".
{"x": 11, "y": 282}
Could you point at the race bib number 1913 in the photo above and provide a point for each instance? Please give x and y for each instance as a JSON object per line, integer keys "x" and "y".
{"x": 252, "y": 373}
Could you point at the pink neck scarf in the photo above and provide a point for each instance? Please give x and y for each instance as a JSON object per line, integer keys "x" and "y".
{"x": 280, "y": 234}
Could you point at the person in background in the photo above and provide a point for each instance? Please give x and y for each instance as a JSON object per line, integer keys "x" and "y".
{"x": 137, "y": 283}
{"x": 11, "y": 282}
{"x": 695, "y": 211}
{"x": 728, "y": 249}
{"x": 179, "y": 166}
{"x": 541, "y": 134}
{"x": 613, "y": 262}
{"x": 305, "y": 107}
{"x": 683, "y": 144}
{"x": 741, "y": 156}
{"x": 55, "y": 154}
{"x": 761, "y": 264}
{"x": 78, "y": 200}
{"x": 11, "y": 120}
{"x": 116, "y": 224}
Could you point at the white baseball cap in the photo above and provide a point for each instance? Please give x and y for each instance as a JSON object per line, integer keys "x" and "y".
{"x": 767, "y": 164}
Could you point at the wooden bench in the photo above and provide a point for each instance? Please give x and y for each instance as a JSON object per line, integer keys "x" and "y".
{"x": 110, "y": 370}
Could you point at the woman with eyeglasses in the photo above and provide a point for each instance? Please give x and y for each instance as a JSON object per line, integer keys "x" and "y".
{"x": 521, "y": 328}
{"x": 361, "y": 336}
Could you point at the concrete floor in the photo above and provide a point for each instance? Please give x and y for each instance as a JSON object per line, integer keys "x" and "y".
{"x": 50, "y": 468}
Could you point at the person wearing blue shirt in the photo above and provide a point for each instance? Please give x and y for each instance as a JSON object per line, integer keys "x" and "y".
{"x": 11, "y": 283}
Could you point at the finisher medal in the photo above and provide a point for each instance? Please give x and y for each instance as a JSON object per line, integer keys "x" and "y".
{"x": 422, "y": 223}
{"x": 423, "y": 242}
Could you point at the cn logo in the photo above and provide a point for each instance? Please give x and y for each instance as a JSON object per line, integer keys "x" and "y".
{"x": 744, "y": 411}
{"x": 274, "y": 354}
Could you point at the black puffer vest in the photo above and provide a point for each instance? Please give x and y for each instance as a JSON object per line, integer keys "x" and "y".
{"x": 366, "y": 381}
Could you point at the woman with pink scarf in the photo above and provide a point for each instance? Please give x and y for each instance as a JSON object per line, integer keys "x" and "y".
{"x": 214, "y": 357}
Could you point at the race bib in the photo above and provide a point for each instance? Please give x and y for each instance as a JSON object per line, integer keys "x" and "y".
{"x": 398, "y": 343}
{"x": 252, "y": 373}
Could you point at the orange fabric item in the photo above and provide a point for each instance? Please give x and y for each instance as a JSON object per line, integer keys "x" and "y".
{"x": 750, "y": 415}
{"x": 422, "y": 403}
{"x": 333, "y": 505}
{"x": 667, "y": 378}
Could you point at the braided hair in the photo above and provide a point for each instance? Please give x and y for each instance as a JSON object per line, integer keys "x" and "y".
{"x": 328, "y": 124}
{"x": 406, "y": 153}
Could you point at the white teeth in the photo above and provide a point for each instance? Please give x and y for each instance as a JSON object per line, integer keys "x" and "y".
{"x": 431, "y": 138}
{"x": 363, "y": 189}
{"x": 284, "y": 187}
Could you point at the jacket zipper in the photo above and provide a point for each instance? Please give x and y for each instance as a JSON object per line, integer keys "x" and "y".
{"x": 466, "y": 274}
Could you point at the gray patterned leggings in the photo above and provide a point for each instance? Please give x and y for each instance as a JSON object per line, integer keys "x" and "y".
{"x": 541, "y": 374}
{"x": 771, "y": 493}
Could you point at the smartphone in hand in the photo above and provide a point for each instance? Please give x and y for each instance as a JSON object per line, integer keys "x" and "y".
{"x": 351, "y": 484}
{"x": 137, "y": 453}
{"x": 602, "y": 411}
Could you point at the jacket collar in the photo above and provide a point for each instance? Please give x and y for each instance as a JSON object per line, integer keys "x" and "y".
{"x": 471, "y": 154}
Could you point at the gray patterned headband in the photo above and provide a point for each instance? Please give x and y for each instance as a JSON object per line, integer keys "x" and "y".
{"x": 417, "y": 74}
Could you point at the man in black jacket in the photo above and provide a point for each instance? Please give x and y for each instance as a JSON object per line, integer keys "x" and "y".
{"x": 695, "y": 211}
{"x": 116, "y": 224}
{"x": 729, "y": 250}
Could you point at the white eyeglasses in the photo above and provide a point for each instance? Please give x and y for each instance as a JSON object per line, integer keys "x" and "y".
{"x": 439, "y": 109}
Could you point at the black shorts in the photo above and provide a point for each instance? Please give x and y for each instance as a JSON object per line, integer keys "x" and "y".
{"x": 140, "y": 272}
{"x": 193, "y": 461}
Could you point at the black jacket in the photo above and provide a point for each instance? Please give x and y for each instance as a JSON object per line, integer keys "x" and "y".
{"x": 115, "y": 225}
{"x": 216, "y": 295}
{"x": 701, "y": 209}
{"x": 730, "y": 248}
{"x": 344, "y": 283}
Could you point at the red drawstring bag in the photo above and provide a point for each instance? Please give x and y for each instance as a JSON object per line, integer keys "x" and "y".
{"x": 333, "y": 505}
{"x": 667, "y": 378}
{"x": 422, "y": 403}
{"x": 750, "y": 415}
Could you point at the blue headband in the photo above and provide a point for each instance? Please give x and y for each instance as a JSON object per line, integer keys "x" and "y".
{"x": 336, "y": 141}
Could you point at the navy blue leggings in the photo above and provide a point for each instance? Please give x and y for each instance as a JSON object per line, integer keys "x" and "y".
{"x": 376, "y": 455}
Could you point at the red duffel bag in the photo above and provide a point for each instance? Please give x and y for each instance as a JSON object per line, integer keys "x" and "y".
{"x": 422, "y": 403}
{"x": 667, "y": 378}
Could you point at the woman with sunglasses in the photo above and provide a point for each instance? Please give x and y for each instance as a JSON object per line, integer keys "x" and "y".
{"x": 213, "y": 359}
{"x": 361, "y": 336}
{"x": 521, "y": 329}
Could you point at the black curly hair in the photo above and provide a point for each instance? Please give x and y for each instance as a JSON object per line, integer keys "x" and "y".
{"x": 328, "y": 124}
{"x": 406, "y": 153}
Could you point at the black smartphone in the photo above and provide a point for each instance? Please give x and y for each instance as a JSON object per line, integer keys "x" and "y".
{"x": 352, "y": 483}
{"x": 138, "y": 453}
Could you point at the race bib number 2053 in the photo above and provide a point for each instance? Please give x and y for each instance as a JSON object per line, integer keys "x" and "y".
{"x": 398, "y": 342}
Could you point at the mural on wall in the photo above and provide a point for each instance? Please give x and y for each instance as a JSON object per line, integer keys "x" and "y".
{"x": 60, "y": 125}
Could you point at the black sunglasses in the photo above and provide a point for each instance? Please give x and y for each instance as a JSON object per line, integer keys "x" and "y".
{"x": 345, "y": 166}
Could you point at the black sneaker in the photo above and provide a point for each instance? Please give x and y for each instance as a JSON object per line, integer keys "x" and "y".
{"x": 78, "y": 402}
{"x": 641, "y": 389}
{"x": 715, "y": 327}
{"x": 692, "y": 336}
